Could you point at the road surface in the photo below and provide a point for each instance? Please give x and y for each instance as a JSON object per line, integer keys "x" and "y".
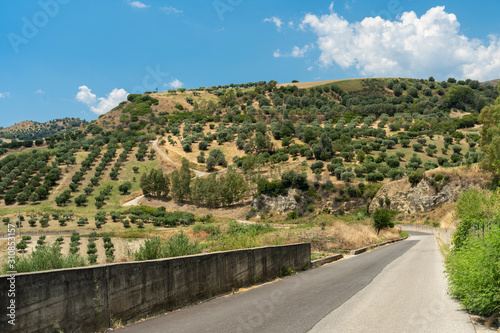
{"x": 397, "y": 288}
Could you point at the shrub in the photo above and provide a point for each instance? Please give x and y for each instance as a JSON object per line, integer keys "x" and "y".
{"x": 274, "y": 188}
{"x": 415, "y": 177}
{"x": 46, "y": 258}
{"x": 75, "y": 237}
{"x": 292, "y": 215}
{"x": 21, "y": 245}
{"x": 176, "y": 245}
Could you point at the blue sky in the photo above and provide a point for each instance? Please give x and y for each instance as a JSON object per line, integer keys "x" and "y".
{"x": 69, "y": 58}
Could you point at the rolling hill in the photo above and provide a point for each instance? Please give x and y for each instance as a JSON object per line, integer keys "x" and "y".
{"x": 32, "y": 130}
{"x": 280, "y": 154}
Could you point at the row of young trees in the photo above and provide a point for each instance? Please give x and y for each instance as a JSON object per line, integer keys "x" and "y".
{"x": 26, "y": 174}
{"x": 211, "y": 191}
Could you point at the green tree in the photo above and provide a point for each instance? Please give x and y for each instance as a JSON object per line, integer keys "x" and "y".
{"x": 154, "y": 183}
{"x": 233, "y": 187}
{"x": 181, "y": 182}
{"x": 81, "y": 200}
{"x": 382, "y": 218}
{"x": 216, "y": 157}
{"x": 490, "y": 136}
{"x": 361, "y": 156}
{"x": 125, "y": 187}
{"x": 415, "y": 177}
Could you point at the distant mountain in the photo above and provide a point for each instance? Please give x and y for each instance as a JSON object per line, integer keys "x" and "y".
{"x": 32, "y": 130}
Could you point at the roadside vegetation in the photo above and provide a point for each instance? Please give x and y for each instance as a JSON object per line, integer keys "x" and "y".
{"x": 472, "y": 265}
{"x": 474, "y": 261}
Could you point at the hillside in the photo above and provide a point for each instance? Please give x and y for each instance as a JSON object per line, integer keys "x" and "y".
{"x": 275, "y": 154}
{"x": 32, "y": 130}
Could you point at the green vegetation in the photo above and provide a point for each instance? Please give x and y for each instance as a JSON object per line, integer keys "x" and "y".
{"x": 176, "y": 245}
{"x": 382, "y": 218}
{"x": 472, "y": 265}
{"x": 46, "y": 257}
{"x": 32, "y": 130}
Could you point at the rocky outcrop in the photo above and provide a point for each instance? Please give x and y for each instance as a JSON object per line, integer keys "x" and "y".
{"x": 338, "y": 208}
{"x": 425, "y": 197}
{"x": 279, "y": 204}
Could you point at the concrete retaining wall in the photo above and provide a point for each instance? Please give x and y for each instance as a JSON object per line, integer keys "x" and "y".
{"x": 446, "y": 235}
{"x": 86, "y": 299}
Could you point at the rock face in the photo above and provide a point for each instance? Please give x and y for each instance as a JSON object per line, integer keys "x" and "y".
{"x": 424, "y": 197}
{"x": 278, "y": 204}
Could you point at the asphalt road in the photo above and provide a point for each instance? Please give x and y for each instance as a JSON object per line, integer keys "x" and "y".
{"x": 397, "y": 288}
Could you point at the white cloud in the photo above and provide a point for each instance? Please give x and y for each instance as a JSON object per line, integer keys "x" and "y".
{"x": 39, "y": 92}
{"x": 409, "y": 46}
{"x": 277, "y": 22}
{"x": 4, "y": 94}
{"x": 138, "y": 4}
{"x": 331, "y": 7}
{"x": 297, "y": 52}
{"x": 291, "y": 24}
{"x": 101, "y": 105}
{"x": 310, "y": 68}
{"x": 171, "y": 10}
{"x": 175, "y": 84}
{"x": 86, "y": 96}
{"x": 113, "y": 99}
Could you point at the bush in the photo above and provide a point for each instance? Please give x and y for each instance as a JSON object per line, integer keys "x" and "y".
{"x": 472, "y": 270}
{"x": 75, "y": 237}
{"x": 415, "y": 177}
{"x": 46, "y": 258}
{"x": 292, "y": 215}
{"x": 176, "y": 245}
{"x": 273, "y": 189}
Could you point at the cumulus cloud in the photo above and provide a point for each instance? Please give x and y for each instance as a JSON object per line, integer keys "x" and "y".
{"x": 138, "y": 4}
{"x": 277, "y": 22}
{"x": 101, "y": 105}
{"x": 4, "y": 94}
{"x": 409, "y": 46}
{"x": 297, "y": 52}
{"x": 171, "y": 10}
{"x": 39, "y": 92}
{"x": 86, "y": 96}
{"x": 175, "y": 84}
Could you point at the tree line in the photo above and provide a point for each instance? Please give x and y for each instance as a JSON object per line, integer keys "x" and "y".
{"x": 212, "y": 191}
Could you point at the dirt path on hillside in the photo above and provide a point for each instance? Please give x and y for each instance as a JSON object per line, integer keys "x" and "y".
{"x": 162, "y": 153}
